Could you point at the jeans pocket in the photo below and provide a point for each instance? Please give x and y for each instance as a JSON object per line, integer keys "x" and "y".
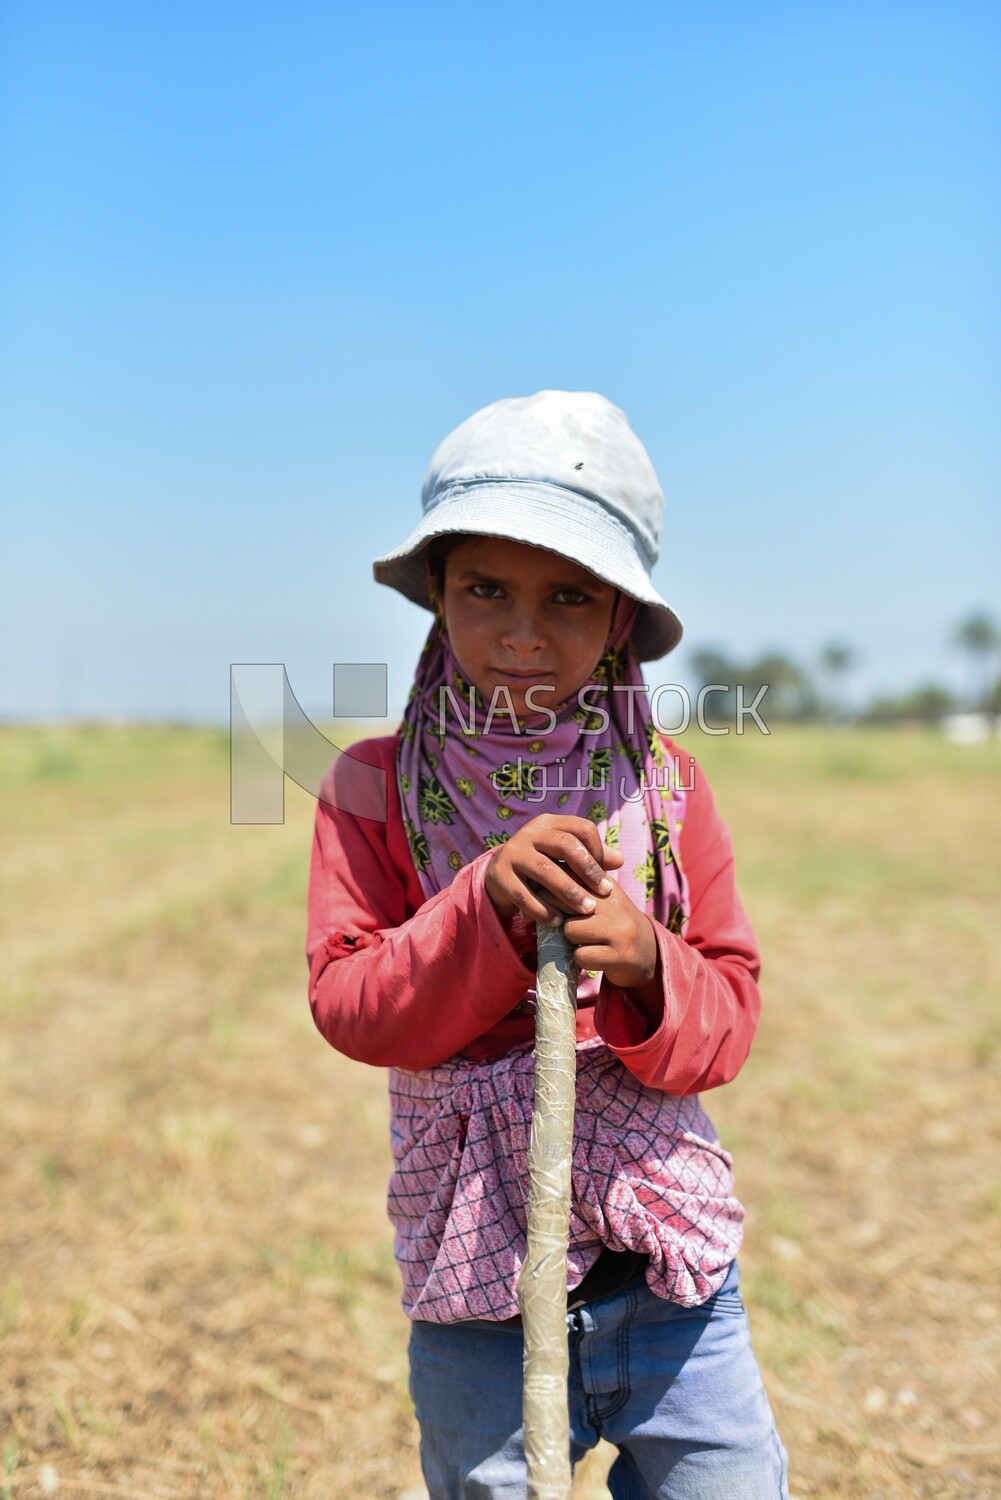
{"x": 728, "y": 1298}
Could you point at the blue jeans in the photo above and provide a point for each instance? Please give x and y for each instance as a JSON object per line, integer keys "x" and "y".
{"x": 677, "y": 1390}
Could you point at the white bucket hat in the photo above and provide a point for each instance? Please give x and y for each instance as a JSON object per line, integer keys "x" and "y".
{"x": 561, "y": 470}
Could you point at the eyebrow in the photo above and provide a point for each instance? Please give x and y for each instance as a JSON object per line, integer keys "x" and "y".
{"x": 480, "y": 575}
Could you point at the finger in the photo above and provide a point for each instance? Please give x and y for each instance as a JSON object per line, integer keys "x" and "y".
{"x": 589, "y": 931}
{"x": 533, "y": 906}
{"x": 554, "y": 916}
{"x": 581, "y": 829}
{"x": 557, "y": 884}
{"x": 586, "y": 833}
{"x": 596, "y": 956}
{"x": 582, "y": 857}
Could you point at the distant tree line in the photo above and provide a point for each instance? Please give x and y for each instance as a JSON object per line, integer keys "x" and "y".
{"x": 821, "y": 691}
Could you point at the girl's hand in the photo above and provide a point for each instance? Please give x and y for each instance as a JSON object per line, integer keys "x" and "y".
{"x": 553, "y": 870}
{"x": 618, "y": 939}
{"x": 552, "y": 867}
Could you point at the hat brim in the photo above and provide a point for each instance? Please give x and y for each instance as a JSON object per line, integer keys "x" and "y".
{"x": 540, "y": 515}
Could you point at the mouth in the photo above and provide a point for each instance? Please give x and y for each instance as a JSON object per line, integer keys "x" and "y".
{"x": 523, "y": 679}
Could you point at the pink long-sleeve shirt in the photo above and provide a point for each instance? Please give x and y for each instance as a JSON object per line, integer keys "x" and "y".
{"x": 400, "y": 981}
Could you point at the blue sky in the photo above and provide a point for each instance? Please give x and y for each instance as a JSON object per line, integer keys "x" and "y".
{"x": 256, "y": 260}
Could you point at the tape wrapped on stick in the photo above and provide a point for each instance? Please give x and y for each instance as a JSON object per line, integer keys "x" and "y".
{"x": 542, "y": 1286}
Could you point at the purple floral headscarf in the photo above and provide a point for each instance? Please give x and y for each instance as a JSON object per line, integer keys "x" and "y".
{"x": 470, "y": 777}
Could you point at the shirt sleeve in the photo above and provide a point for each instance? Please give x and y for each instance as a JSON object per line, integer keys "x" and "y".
{"x": 390, "y": 985}
{"x": 710, "y": 975}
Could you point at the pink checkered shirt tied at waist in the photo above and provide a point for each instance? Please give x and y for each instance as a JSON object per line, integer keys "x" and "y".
{"x": 649, "y": 1175}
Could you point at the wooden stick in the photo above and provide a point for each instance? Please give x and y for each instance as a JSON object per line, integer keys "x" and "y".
{"x": 542, "y": 1286}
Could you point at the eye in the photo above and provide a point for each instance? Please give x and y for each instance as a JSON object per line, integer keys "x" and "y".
{"x": 572, "y": 596}
{"x": 485, "y": 590}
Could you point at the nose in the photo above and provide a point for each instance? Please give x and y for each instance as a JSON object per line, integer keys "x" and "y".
{"x": 523, "y": 634}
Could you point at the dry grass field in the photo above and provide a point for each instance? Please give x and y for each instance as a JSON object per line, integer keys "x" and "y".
{"x": 197, "y": 1291}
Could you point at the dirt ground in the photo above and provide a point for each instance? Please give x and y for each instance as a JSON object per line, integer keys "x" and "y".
{"x": 197, "y": 1290}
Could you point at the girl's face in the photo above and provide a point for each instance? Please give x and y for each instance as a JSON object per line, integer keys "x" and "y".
{"x": 520, "y": 617}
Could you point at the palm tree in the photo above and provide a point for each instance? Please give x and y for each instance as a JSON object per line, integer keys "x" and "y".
{"x": 791, "y": 693}
{"x": 979, "y": 638}
{"x": 712, "y": 667}
{"x": 837, "y": 659}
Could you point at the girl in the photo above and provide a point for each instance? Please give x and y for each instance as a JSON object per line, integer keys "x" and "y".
{"x": 527, "y": 784}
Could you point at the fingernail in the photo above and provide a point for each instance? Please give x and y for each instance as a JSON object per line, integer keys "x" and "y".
{"x": 605, "y": 887}
{"x": 556, "y": 921}
{"x": 589, "y": 903}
